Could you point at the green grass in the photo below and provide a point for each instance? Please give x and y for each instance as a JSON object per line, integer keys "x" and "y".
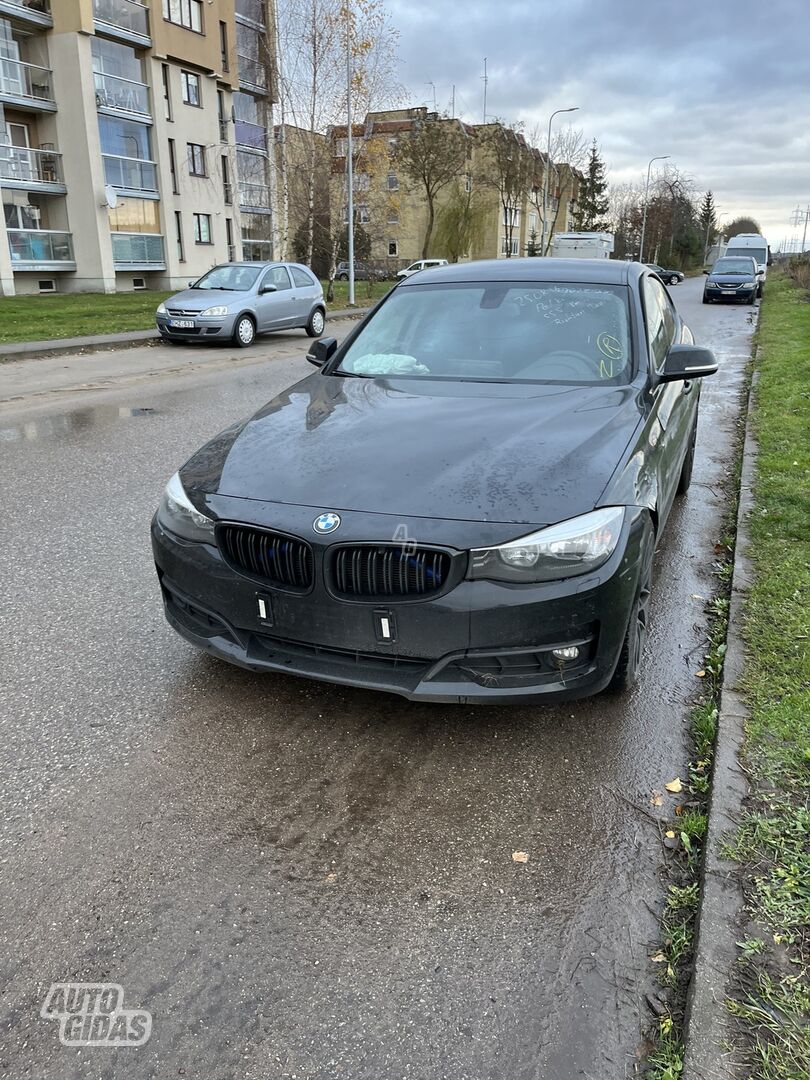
{"x": 41, "y": 318}
{"x": 772, "y": 1002}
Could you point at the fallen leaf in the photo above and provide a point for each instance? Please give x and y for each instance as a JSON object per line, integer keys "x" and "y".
{"x": 656, "y": 799}
{"x": 520, "y": 856}
{"x": 331, "y": 877}
{"x": 669, "y": 834}
{"x": 659, "y": 958}
{"x": 674, "y": 785}
{"x": 697, "y": 596}
{"x": 679, "y": 810}
{"x": 700, "y": 674}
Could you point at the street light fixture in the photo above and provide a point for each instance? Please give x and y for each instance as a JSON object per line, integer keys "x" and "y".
{"x": 349, "y": 151}
{"x": 574, "y": 108}
{"x": 661, "y": 157}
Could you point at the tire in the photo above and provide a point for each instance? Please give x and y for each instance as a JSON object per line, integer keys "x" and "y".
{"x": 316, "y": 324}
{"x": 706, "y": 300}
{"x": 674, "y": 280}
{"x": 635, "y": 636}
{"x": 244, "y": 332}
{"x": 685, "y": 479}
{"x": 759, "y": 292}
{"x": 343, "y": 277}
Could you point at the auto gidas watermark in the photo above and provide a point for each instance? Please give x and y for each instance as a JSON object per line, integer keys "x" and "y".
{"x": 93, "y": 1014}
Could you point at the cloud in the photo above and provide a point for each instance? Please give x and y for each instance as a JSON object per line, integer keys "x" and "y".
{"x": 723, "y": 88}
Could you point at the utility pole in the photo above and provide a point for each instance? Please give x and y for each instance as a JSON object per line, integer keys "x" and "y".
{"x": 486, "y": 80}
{"x": 349, "y": 151}
{"x": 661, "y": 157}
{"x": 453, "y": 104}
{"x": 547, "y": 170}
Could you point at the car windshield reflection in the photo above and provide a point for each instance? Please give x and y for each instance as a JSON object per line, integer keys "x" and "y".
{"x": 229, "y": 278}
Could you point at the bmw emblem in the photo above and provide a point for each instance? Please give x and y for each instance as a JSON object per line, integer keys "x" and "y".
{"x": 326, "y": 523}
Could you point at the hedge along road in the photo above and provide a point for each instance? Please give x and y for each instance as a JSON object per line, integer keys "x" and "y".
{"x": 302, "y": 880}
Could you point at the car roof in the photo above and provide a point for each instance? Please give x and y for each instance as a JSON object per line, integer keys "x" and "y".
{"x": 590, "y": 271}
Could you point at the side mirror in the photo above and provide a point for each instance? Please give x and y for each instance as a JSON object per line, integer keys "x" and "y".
{"x": 687, "y": 362}
{"x": 322, "y": 350}
{"x": 191, "y": 284}
{"x": 706, "y": 271}
{"x": 770, "y": 262}
{"x": 267, "y": 288}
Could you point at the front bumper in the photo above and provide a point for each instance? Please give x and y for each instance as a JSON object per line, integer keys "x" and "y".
{"x": 207, "y": 329}
{"x": 478, "y": 641}
{"x": 732, "y": 295}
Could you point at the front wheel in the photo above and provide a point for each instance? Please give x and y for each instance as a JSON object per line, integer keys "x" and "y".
{"x": 685, "y": 479}
{"x": 343, "y": 277}
{"x": 635, "y": 638}
{"x": 244, "y": 333}
{"x": 706, "y": 300}
{"x": 317, "y": 321}
{"x": 674, "y": 280}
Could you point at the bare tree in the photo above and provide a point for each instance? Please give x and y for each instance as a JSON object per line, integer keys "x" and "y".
{"x": 511, "y": 172}
{"x": 432, "y": 155}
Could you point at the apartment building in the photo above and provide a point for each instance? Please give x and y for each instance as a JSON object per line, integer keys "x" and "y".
{"x": 133, "y": 141}
{"x": 392, "y": 210}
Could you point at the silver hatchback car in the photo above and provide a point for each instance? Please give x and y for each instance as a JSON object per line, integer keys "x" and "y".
{"x": 237, "y": 301}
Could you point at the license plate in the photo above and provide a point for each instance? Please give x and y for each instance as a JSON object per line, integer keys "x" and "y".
{"x": 729, "y": 292}
{"x": 182, "y": 324}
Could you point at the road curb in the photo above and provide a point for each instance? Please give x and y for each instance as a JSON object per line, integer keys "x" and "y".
{"x": 32, "y": 349}
{"x": 709, "y": 1032}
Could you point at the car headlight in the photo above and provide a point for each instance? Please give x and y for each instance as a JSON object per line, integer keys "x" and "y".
{"x": 712, "y": 285}
{"x": 178, "y": 515}
{"x": 572, "y": 547}
{"x": 215, "y": 311}
{"x": 161, "y": 309}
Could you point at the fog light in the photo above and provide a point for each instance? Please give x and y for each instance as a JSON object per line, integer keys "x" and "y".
{"x": 569, "y": 653}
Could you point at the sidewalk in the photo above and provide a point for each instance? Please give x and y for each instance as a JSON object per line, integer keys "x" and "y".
{"x": 24, "y": 349}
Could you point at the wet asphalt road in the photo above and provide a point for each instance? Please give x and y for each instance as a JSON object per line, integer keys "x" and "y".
{"x": 298, "y": 880}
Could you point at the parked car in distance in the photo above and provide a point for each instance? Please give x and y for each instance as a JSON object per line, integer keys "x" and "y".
{"x": 734, "y": 277}
{"x": 669, "y": 277}
{"x": 421, "y": 264}
{"x": 756, "y": 246}
{"x": 462, "y": 503}
{"x": 362, "y": 272}
{"x": 236, "y": 301}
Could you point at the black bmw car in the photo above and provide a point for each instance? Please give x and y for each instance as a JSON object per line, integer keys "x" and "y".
{"x": 462, "y": 503}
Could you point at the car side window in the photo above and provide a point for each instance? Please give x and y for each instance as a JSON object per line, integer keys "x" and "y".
{"x": 301, "y": 278}
{"x": 278, "y": 276}
{"x": 660, "y": 321}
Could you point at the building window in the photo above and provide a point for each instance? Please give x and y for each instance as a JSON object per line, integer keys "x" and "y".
{"x": 468, "y": 183}
{"x": 229, "y": 240}
{"x": 191, "y": 88}
{"x": 167, "y": 96}
{"x": 393, "y": 217}
{"x": 362, "y": 214}
{"x": 392, "y": 143}
{"x": 223, "y": 46}
{"x": 178, "y": 231}
{"x": 173, "y": 167}
{"x": 226, "y": 181}
{"x": 341, "y": 147}
{"x": 393, "y": 249}
{"x": 186, "y": 13}
{"x": 393, "y": 183}
{"x": 509, "y": 246}
{"x": 196, "y": 159}
{"x": 202, "y": 229}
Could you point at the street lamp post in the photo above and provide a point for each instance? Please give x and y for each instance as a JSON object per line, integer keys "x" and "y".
{"x": 574, "y": 108}
{"x": 661, "y": 157}
{"x": 349, "y": 152}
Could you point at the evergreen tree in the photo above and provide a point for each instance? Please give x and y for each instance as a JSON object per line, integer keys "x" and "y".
{"x": 592, "y": 205}
{"x": 533, "y": 248}
{"x": 708, "y": 217}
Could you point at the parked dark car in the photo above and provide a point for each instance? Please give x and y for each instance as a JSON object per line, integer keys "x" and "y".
{"x": 362, "y": 272}
{"x": 669, "y": 277}
{"x": 236, "y": 301}
{"x": 462, "y": 503}
{"x": 733, "y": 278}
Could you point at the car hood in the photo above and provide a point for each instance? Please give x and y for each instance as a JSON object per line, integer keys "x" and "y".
{"x": 200, "y": 299}
{"x": 465, "y": 451}
{"x": 732, "y": 279}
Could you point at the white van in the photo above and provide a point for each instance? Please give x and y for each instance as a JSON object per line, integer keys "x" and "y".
{"x": 755, "y": 246}
{"x": 421, "y": 264}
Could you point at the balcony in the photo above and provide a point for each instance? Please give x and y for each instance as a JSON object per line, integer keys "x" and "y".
{"x": 255, "y": 197}
{"x": 252, "y": 73}
{"x": 126, "y": 20}
{"x": 253, "y": 136}
{"x": 122, "y": 97}
{"x": 31, "y": 170}
{"x": 252, "y": 10}
{"x": 34, "y": 12}
{"x": 26, "y": 86}
{"x": 131, "y": 176}
{"x": 138, "y": 251}
{"x": 41, "y": 249}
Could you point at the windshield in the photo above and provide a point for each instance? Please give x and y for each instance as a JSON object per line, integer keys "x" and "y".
{"x": 498, "y": 332}
{"x": 751, "y": 252}
{"x": 230, "y": 278}
{"x": 734, "y": 266}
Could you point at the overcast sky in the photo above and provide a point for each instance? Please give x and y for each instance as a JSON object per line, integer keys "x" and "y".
{"x": 723, "y": 86}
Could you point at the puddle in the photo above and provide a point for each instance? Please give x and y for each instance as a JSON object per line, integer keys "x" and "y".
{"x": 75, "y": 422}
